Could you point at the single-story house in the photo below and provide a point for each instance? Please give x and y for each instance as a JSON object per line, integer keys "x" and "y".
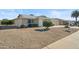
{"x": 30, "y": 20}
{"x": 57, "y": 21}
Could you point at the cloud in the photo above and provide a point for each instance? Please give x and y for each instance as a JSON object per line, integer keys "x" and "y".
{"x": 8, "y": 13}
{"x": 12, "y": 13}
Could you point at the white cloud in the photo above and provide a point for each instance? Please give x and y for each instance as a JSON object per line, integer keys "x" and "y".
{"x": 8, "y": 14}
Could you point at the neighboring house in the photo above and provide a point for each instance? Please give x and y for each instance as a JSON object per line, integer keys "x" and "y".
{"x": 29, "y": 20}
{"x": 57, "y": 21}
{"x": 71, "y": 23}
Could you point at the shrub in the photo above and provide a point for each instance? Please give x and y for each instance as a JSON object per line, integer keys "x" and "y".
{"x": 22, "y": 26}
{"x": 7, "y": 22}
{"x": 47, "y": 24}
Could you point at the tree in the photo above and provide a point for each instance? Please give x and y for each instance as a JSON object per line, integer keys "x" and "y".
{"x": 4, "y": 22}
{"x": 75, "y": 14}
{"x": 10, "y": 22}
{"x": 47, "y": 24}
{"x": 7, "y": 22}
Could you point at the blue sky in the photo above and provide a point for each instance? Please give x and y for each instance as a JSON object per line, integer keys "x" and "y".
{"x": 52, "y": 13}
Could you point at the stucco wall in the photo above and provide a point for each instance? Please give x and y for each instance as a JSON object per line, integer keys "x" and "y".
{"x": 25, "y": 22}
{"x": 57, "y": 22}
{"x": 40, "y": 22}
{"x": 18, "y": 22}
{"x": 35, "y": 21}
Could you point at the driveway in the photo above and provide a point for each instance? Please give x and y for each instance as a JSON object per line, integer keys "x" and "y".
{"x": 69, "y": 42}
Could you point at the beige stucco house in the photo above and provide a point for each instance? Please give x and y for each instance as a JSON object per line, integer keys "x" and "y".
{"x": 29, "y": 20}
{"x": 57, "y": 21}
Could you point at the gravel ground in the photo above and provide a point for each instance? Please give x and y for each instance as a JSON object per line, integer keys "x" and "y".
{"x": 29, "y": 38}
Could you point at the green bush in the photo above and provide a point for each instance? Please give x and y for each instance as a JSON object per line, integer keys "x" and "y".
{"x": 22, "y": 26}
{"x": 47, "y": 24}
{"x": 7, "y": 22}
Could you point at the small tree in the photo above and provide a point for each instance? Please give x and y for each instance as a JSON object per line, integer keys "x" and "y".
{"x": 47, "y": 24}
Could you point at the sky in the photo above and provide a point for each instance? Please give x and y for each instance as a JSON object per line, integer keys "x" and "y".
{"x": 52, "y": 13}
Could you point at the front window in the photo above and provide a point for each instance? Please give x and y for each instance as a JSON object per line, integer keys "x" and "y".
{"x": 30, "y": 21}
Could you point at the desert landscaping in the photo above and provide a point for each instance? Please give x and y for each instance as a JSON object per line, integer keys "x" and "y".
{"x": 29, "y": 31}
{"x": 30, "y": 38}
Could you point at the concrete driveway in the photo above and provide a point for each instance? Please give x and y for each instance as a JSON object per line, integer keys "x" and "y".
{"x": 69, "y": 42}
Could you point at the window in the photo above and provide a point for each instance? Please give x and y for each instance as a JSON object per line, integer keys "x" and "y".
{"x": 30, "y": 21}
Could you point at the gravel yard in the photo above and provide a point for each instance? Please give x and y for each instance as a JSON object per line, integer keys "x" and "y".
{"x": 28, "y": 38}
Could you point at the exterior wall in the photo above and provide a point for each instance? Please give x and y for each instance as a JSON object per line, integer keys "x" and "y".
{"x": 57, "y": 22}
{"x": 22, "y": 20}
{"x": 25, "y": 22}
{"x": 61, "y": 22}
{"x": 18, "y": 22}
{"x": 40, "y": 22}
{"x": 35, "y": 21}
